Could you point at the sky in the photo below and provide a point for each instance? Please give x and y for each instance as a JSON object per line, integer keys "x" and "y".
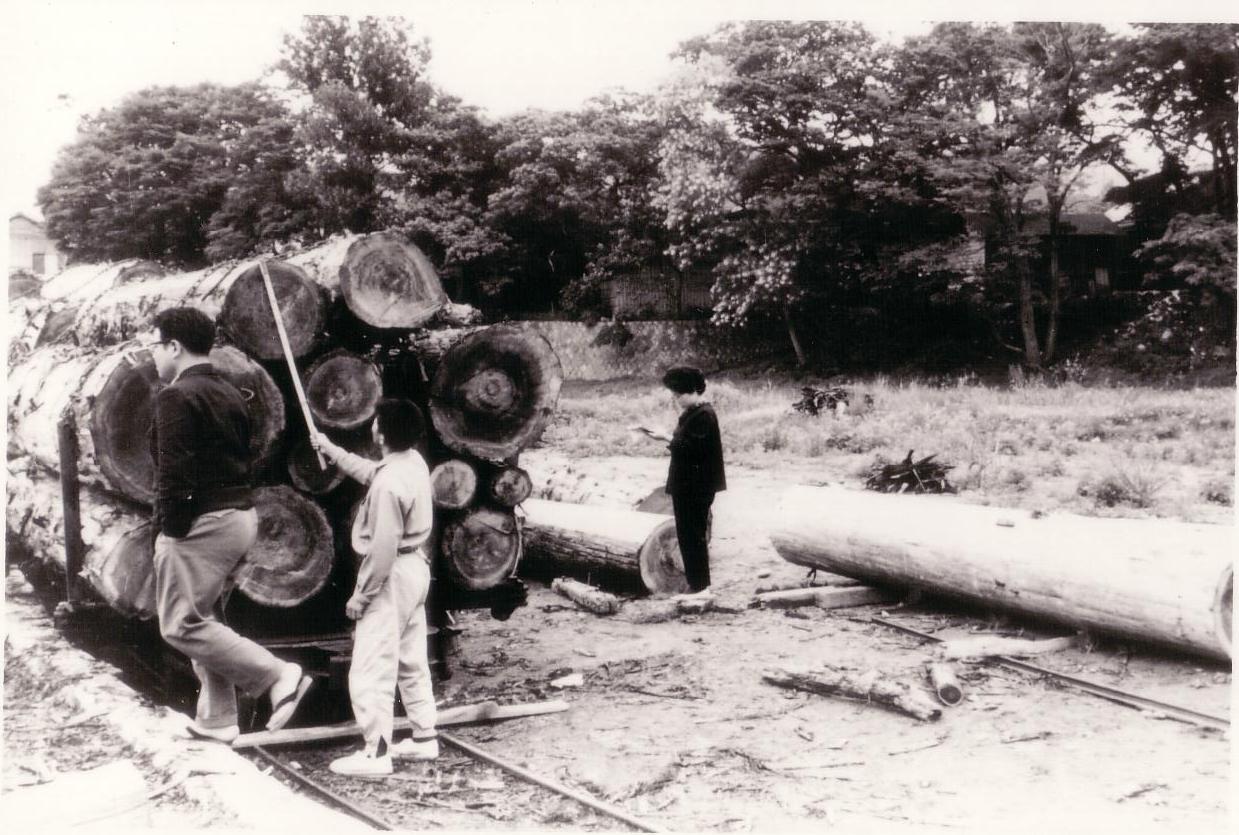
{"x": 66, "y": 58}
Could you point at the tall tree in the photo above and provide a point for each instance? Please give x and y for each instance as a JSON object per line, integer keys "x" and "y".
{"x": 144, "y": 178}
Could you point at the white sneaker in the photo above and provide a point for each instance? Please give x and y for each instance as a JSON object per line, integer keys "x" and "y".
{"x": 226, "y": 734}
{"x": 362, "y": 764}
{"x": 412, "y": 749}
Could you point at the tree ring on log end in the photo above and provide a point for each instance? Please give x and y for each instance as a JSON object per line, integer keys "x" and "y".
{"x": 247, "y": 319}
{"x": 388, "y": 283}
{"x": 510, "y": 486}
{"x": 291, "y": 559}
{"x": 120, "y": 425}
{"x": 494, "y": 392}
{"x": 305, "y": 473}
{"x": 662, "y": 567}
{"x": 453, "y": 484}
{"x": 263, "y": 402}
{"x": 481, "y": 548}
{"x": 343, "y": 390}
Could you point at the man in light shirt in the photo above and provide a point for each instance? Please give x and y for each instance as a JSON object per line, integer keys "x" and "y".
{"x": 389, "y": 601}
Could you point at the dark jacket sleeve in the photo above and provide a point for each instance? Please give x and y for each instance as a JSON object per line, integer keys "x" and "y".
{"x": 174, "y": 461}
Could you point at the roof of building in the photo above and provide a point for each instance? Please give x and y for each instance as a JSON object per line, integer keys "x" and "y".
{"x": 1090, "y": 223}
{"x": 25, "y": 216}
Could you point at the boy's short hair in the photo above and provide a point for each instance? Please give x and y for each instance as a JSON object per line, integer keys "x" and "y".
{"x": 400, "y": 421}
{"x": 684, "y": 379}
{"x": 187, "y": 325}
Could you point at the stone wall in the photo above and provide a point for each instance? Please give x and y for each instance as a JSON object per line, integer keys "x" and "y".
{"x": 606, "y": 350}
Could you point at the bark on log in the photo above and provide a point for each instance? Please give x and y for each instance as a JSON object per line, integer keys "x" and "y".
{"x": 246, "y": 316}
{"x": 481, "y": 547}
{"x": 603, "y": 543}
{"x": 510, "y": 486}
{"x": 83, "y": 282}
{"x": 118, "y": 561}
{"x": 494, "y": 392}
{"x": 983, "y": 646}
{"x": 454, "y": 315}
{"x": 112, "y": 395}
{"x": 386, "y": 281}
{"x": 587, "y": 597}
{"x": 454, "y": 484}
{"x": 946, "y": 685}
{"x": 343, "y": 390}
{"x": 292, "y": 557}
{"x": 1155, "y": 580}
{"x": 431, "y": 345}
{"x": 869, "y": 687}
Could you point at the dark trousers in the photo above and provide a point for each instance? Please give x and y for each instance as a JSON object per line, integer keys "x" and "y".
{"x": 692, "y": 516}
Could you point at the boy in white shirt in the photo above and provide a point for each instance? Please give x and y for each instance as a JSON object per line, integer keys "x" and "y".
{"x": 389, "y": 602}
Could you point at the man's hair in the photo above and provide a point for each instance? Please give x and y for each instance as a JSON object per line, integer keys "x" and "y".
{"x": 400, "y": 421}
{"x": 684, "y": 379}
{"x": 189, "y": 326}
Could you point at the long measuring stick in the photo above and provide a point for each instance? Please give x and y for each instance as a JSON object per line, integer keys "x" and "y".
{"x": 288, "y": 356}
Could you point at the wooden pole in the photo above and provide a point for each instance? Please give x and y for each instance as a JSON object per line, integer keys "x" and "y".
{"x": 288, "y": 356}
{"x": 75, "y": 548}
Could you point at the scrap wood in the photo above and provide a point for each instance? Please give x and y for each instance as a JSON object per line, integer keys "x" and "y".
{"x": 822, "y": 579}
{"x": 945, "y": 683}
{"x": 658, "y": 611}
{"x": 824, "y": 598}
{"x": 984, "y": 646}
{"x": 586, "y": 596}
{"x": 923, "y": 476}
{"x": 868, "y": 686}
{"x": 464, "y": 714}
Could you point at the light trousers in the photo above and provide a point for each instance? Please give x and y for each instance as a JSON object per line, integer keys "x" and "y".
{"x": 389, "y": 651}
{"x": 191, "y": 573}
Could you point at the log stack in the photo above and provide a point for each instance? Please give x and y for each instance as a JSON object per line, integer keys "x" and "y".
{"x": 367, "y": 318}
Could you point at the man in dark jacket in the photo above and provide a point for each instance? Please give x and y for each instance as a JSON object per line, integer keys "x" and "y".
{"x": 696, "y": 471}
{"x": 206, "y": 522}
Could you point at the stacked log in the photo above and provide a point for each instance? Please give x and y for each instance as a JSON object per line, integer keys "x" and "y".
{"x": 359, "y": 310}
{"x": 1154, "y": 580}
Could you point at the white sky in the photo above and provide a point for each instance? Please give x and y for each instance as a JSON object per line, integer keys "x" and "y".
{"x": 65, "y": 58}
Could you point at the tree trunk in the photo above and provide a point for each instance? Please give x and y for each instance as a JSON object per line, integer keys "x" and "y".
{"x": 384, "y": 280}
{"x": 868, "y": 687}
{"x": 343, "y": 390}
{"x": 1155, "y": 580}
{"x": 454, "y": 484}
{"x": 494, "y": 392}
{"x": 118, "y": 561}
{"x": 1056, "y": 290}
{"x": 112, "y": 396}
{"x": 481, "y": 547}
{"x": 293, "y": 555}
{"x": 510, "y": 486}
{"x": 791, "y": 334}
{"x": 604, "y": 545}
{"x": 1028, "y": 321}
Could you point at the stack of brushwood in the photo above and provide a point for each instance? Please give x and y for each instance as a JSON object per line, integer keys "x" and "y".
{"x": 366, "y": 317}
{"x": 923, "y": 476}
{"x": 836, "y": 399}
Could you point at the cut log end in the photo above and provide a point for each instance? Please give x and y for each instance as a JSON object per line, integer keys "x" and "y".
{"x": 453, "y": 484}
{"x": 247, "y": 319}
{"x": 120, "y": 425}
{"x": 343, "y": 390}
{"x": 482, "y": 547}
{"x": 292, "y": 557}
{"x": 388, "y": 283}
{"x": 306, "y": 474}
{"x": 662, "y": 566}
{"x": 510, "y": 486}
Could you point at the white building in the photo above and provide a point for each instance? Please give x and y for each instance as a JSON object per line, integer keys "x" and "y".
{"x": 30, "y": 250}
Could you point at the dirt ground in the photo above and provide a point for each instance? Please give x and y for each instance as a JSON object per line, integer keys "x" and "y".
{"x": 675, "y": 723}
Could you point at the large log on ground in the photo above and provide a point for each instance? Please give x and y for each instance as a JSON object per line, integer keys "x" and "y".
{"x": 386, "y": 281}
{"x": 119, "y": 550}
{"x": 291, "y": 559}
{"x": 83, "y": 282}
{"x": 343, "y": 390}
{"x": 112, "y": 396}
{"x": 1155, "y": 580}
{"x": 494, "y": 392}
{"x": 604, "y": 545}
{"x": 481, "y": 547}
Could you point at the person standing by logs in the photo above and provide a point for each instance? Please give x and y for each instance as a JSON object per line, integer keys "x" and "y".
{"x": 205, "y": 521}
{"x": 696, "y": 471}
{"x": 389, "y": 603}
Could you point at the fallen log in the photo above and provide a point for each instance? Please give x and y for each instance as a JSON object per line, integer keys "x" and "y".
{"x": 638, "y": 549}
{"x": 453, "y": 484}
{"x": 112, "y": 396}
{"x": 447, "y": 717}
{"x": 945, "y": 684}
{"x": 587, "y": 597}
{"x": 292, "y": 557}
{"x": 983, "y": 646}
{"x": 509, "y": 486}
{"x": 825, "y": 598}
{"x": 1155, "y": 580}
{"x": 494, "y": 392}
{"x": 343, "y": 390}
{"x": 118, "y": 561}
{"x": 481, "y": 547}
{"x": 869, "y": 686}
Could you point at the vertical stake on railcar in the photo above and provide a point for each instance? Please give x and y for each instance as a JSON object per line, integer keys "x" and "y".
{"x": 71, "y": 499}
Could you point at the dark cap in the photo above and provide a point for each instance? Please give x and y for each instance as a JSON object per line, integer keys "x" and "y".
{"x": 684, "y": 379}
